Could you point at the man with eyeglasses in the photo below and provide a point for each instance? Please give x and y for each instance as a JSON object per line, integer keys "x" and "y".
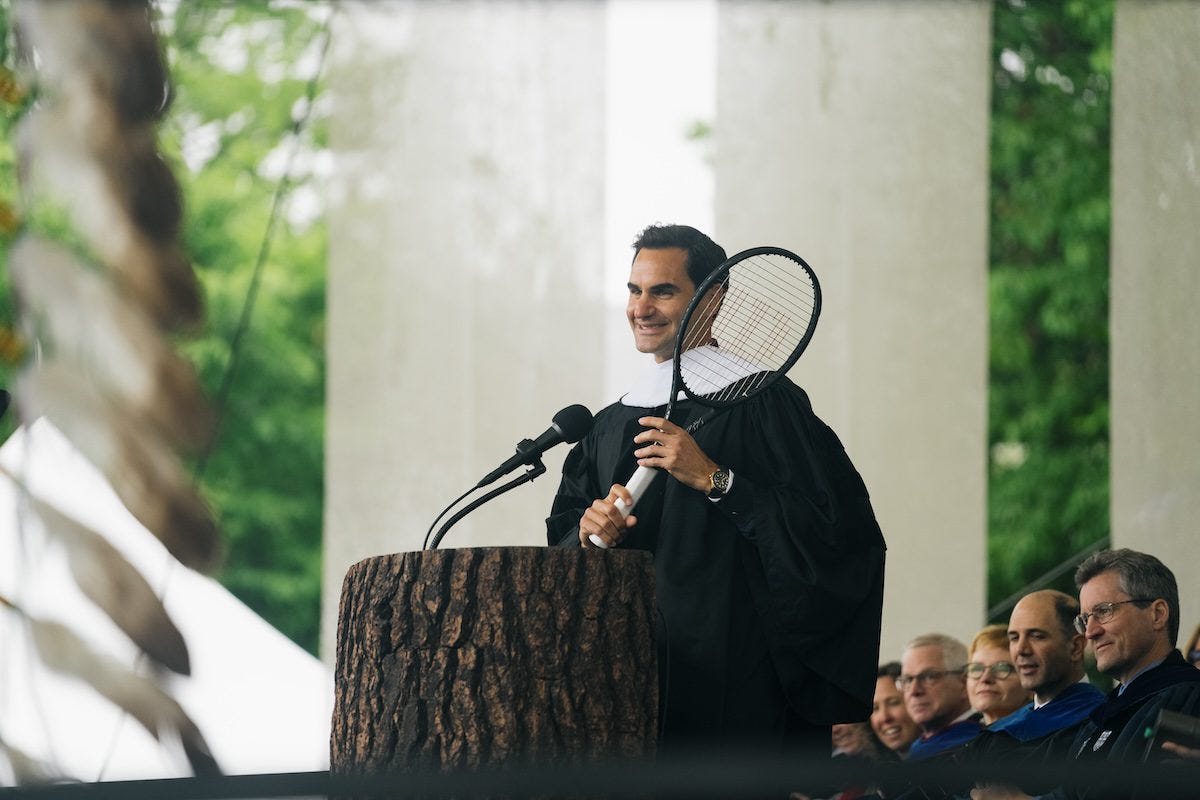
{"x": 934, "y": 684}
{"x": 1130, "y": 603}
{"x": 1130, "y": 618}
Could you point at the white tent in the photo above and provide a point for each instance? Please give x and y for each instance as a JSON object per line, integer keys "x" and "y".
{"x": 262, "y": 703}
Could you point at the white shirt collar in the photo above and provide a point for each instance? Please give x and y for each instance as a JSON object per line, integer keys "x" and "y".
{"x": 1037, "y": 705}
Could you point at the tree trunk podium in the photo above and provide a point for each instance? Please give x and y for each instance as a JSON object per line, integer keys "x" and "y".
{"x": 452, "y": 659}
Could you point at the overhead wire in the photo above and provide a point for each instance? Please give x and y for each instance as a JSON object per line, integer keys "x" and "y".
{"x": 299, "y": 123}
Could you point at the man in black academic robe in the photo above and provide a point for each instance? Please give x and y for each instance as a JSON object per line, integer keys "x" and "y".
{"x": 770, "y": 592}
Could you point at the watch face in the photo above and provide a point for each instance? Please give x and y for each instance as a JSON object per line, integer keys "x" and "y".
{"x": 720, "y": 481}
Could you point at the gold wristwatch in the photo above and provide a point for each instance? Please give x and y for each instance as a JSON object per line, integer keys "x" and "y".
{"x": 719, "y": 481}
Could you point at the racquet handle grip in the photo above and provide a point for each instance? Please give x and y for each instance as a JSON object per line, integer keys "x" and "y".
{"x": 637, "y": 485}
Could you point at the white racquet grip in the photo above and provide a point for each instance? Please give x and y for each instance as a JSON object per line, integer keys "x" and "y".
{"x": 637, "y": 485}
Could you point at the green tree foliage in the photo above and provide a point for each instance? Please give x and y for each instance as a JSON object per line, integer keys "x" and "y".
{"x": 1048, "y": 401}
{"x": 242, "y": 74}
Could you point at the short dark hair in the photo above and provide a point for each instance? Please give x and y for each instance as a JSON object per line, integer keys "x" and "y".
{"x": 1066, "y": 609}
{"x": 890, "y": 670}
{"x": 1140, "y": 575}
{"x": 703, "y": 254}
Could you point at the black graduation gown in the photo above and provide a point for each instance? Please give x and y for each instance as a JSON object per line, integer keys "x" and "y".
{"x": 1115, "y": 731}
{"x": 1108, "y": 733}
{"x": 772, "y": 597}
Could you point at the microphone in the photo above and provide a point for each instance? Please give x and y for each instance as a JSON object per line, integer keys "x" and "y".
{"x": 569, "y": 425}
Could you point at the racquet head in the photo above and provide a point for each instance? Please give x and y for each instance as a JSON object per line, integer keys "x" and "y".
{"x": 748, "y": 322}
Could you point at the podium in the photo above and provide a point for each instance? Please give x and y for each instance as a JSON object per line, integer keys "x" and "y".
{"x": 482, "y": 657}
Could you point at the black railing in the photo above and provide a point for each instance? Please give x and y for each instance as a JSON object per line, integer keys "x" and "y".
{"x": 711, "y": 775}
{"x": 1000, "y": 611}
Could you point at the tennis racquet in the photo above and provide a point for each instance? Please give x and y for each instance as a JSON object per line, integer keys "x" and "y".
{"x": 747, "y": 324}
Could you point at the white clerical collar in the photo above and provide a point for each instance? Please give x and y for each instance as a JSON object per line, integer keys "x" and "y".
{"x": 708, "y": 369}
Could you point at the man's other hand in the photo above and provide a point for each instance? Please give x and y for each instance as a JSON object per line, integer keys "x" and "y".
{"x": 604, "y": 520}
{"x": 668, "y": 446}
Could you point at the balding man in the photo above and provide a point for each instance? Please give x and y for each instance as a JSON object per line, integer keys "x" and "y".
{"x": 1048, "y": 654}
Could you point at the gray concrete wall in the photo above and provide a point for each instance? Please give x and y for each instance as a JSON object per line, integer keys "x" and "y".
{"x": 1155, "y": 327}
{"x": 856, "y": 134}
{"x": 465, "y": 257}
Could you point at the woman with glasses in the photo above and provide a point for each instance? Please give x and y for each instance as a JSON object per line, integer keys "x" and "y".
{"x": 992, "y": 682}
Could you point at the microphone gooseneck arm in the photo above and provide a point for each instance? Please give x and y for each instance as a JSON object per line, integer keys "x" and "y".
{"x": 437, "y": 519}
{"x": 569, "y": 425}
{"x": 535, "y": 469}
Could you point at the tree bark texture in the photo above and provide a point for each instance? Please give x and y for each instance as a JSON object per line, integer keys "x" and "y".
{"x": 452, "y": 659}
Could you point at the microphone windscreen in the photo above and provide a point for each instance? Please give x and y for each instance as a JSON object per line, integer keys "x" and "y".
{"x": 573, "y": 422}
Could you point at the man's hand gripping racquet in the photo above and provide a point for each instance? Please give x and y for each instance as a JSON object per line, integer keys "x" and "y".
{"x": 747, "y": 324}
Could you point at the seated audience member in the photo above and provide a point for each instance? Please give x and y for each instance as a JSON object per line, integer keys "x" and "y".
{"x": 853, "y": 744}
{"x": 993, "y": 687}
{"x": 1130, "y": 617}
{"x": 1192, "y": 651}
{"x": 1048, "y": 653}
{"x": 889, "y": 718}
{"x": 853, "y": 739}
{"x": 933, "y": 680}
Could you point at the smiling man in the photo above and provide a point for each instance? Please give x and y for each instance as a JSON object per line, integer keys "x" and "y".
{"x": 660, "y": 290}
{"x": 768, "y": 559}
{"x": 1130, "y": 617}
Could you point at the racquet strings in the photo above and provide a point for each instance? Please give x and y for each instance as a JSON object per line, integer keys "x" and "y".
{"x": 751, "y": 321}
{"x": 756, "y": 317}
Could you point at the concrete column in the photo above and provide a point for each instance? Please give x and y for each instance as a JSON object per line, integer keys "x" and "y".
{"x": 856, "y": 134}
{"x": 1155, "y": 328}
{"x": 465, "y": 262}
